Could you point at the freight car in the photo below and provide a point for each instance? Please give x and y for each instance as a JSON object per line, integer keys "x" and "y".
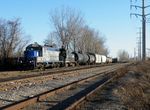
{"x": 11, "y": 63}
{"x": 114, "y": 60}
{"x": 109, "y": 60}
{"x": 45, "y": 56}
{"x": 81, "y": 58}
{"x": 99, "y": 59}
{"x": 91, "y": 58}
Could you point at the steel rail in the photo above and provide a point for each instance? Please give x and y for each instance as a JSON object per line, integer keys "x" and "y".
{"x": 36, "y": 98}
{"x": 72, "y": 102}
{"x": 43, "y": 73}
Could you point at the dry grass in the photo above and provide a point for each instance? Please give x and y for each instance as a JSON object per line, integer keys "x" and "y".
{"x": 121, "y": 72}
{"x": 134, "y": 89}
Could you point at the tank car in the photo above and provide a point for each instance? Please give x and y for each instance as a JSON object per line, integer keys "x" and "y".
{"x": 91, "y": 58}
{"x": 81, "y": 58}
{"x": 70, "y": 60}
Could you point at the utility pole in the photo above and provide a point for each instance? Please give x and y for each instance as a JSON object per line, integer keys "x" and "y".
{"x": 143, "y": 15}
{"x": 143, "y": 31}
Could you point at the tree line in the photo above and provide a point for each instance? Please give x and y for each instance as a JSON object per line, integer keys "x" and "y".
{"x": 12, "y": 42}
{"x": 69, "y": 30}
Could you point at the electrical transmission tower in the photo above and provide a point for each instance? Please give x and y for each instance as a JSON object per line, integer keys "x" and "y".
{"x": 143, "y": 15}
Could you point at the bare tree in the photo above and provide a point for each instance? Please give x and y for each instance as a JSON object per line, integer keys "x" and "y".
{"x": 11, "y": 41}
{"x": 99, "y": 44}
{"x": 23, "y": 41}
{"x": 67, "y": 23}
{"x": 123, "y": 55}
{"x": 73, "y": 34}
{"x": 52, "y": 40}
{"x": 91, "y": 41}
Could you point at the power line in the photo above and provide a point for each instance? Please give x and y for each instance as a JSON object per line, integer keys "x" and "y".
{"x": 143, "y": 15}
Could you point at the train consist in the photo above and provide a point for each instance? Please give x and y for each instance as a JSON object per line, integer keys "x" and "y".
{"x": 36, "y": 55}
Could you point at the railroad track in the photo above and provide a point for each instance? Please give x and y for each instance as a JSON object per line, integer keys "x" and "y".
{"x": 70, "y": 102}
{"x": 18, "y": 83}
{"x": 49, "y": 72}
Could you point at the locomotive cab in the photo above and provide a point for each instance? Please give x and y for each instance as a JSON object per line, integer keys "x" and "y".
{"x": 31, "y": 53}
{"x": 33, "y": 50}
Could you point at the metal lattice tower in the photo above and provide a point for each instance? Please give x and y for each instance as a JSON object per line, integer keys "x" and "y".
{"x": 143, "y": 15}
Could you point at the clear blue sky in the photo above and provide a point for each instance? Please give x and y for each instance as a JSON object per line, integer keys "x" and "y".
{"x": 110, "y": 17}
